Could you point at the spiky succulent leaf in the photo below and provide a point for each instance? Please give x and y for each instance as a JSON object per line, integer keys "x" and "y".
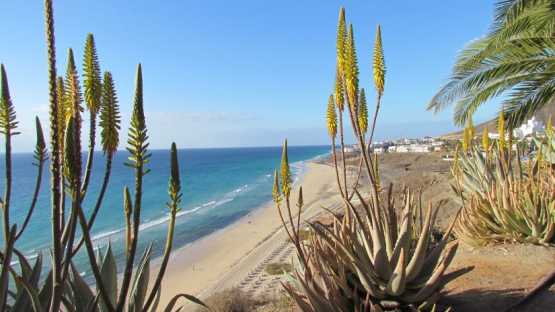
{"x": 331, "y": 118}
{"x": 8, "y": 123}
{"x": 379, "y": 63}
{"x": 140, "y": 284}
{"x": 362, "y": 112}
{"x": 110, "y": 118}
{"x": 91, "y": 76}
{"x": 109, "y": 275}
{"x": 81, "y": 295}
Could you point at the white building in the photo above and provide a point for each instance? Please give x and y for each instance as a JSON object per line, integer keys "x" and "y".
{"x": 420, "y": 148}
{"x": 493, "y": 136}
{"x": 531, "y": 127}
{"x": 379, "y": 150}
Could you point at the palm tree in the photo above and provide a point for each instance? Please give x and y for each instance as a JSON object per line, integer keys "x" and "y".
{"x": 515, "y": 60}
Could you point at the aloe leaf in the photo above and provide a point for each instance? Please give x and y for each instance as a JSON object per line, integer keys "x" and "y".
{"x": 31, "y": 278}
{"x": 82, "y": 294}
{"x": 403, "y": 242}
{"x": 26, "y": 269}
{"x": 156, "y": 301}
{"x": 45, "y": 293}
{"x": 193, "y": 299}
{"x": 35, "y": 301}
{"x": 396, "y": 285}
{"x": 140, "y": 284}
{"x": 435, "y": 280}
{"x": 35, "y": 274}
{"x": 418, "y": 256}
{"x": 108, "y": 274}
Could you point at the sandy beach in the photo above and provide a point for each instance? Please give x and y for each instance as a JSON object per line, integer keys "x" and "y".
{"x": 236, "y": 255}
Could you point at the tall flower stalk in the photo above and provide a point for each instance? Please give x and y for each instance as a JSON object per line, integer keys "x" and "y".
{"x": 55, "y": 162}
{"x": 139, "y": 157}
{"x": 93, "y": 94}
{"x": 379, "y": 77}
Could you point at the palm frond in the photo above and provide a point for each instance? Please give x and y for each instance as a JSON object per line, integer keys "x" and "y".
{"x": 518, "y": 49}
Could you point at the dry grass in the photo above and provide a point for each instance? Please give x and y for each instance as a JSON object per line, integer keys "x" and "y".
{"x": 303, "y": 235}
{"x": 231, "y": 300}
{"x": 278, "y": 268}
{"x": 283, "y": 303}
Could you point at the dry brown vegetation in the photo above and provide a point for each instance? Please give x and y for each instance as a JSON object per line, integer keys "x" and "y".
{"x": 278, "y": 268}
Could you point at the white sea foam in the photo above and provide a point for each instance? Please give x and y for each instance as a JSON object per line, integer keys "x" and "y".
{"x": 161, "y": 220}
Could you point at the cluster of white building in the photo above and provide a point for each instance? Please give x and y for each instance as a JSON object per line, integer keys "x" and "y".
{"x": 532, "y": 127}
{"x": 406, "y": 145}
{"x": 430, "y": 144}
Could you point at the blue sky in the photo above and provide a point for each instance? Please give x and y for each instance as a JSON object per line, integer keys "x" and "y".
{"x": 244, "y": 73}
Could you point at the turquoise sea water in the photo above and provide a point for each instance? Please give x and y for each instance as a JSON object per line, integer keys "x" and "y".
{"x": 219, "y": 187}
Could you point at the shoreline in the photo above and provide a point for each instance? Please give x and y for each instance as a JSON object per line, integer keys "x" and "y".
{"x": 221, "y": 259}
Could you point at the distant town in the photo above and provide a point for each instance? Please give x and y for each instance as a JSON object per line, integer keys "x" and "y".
{"x": 428, "y": 144}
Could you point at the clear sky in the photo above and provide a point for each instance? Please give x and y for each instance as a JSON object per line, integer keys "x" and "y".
{"x": 244, "y": 73}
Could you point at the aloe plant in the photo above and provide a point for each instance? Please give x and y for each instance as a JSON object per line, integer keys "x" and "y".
{"x": 546, "y": 146}
{"x": 61, "y": 288}
{"x": 378, "y": 256}
{"x": 504, "y": 199}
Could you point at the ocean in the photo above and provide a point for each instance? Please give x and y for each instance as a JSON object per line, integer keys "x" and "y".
{"x": 219, "y": 187}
